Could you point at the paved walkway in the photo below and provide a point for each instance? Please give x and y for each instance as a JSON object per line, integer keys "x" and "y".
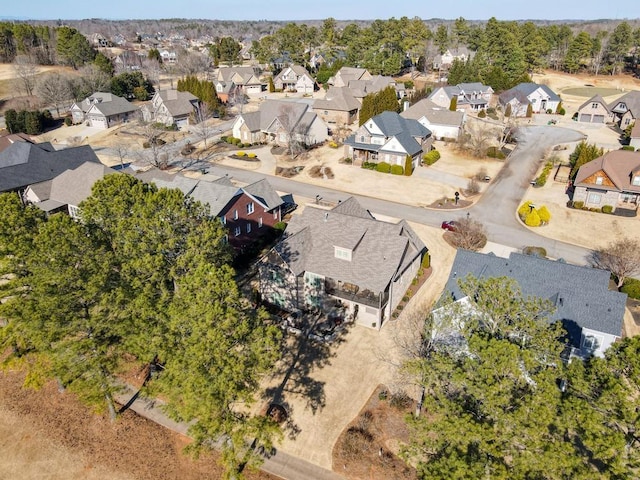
{"x": 282, "y": 465}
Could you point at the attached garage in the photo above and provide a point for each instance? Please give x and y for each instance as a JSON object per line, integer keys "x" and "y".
{"x": 598, "y": 119}
{"x": 586, "y": 118}
{"x": 182, "y": 122}
{"x": 98, "y": 122}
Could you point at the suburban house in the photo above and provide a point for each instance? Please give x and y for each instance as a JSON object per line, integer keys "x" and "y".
{"x": 225, "y": 90}
{"x": 442, "y": 122}
{"x": 168, "y": 58}
{"x": 541, "y": 98}
{"x": 171, "y": 107}
{"x": 11, "y": 138}
{"x": 444, "y": 61}
{"x": 248, "y": 213}
{"x": 280, "y": 121}
{"x": 342, "y": 255}
{"x": 338, "y": 106}
{"x": 469, "y": 96}
{"x": 66, "y": 191}
{"x": 634, "y": 139}
{"x": 103, "y": 110}
{"x": 612, "y": 179}
{"x": 362, "y": 83}
{"x": 594, "y": 110}
{"x": 345, "y": 75}
{"x": 389, "y": 138}
{"x": 294, "y": 79}
{"x": 591, "y": 314}
{"x": 626, "y": 109}
{"x": 24, "y": 163}
{"x": 245, "y": 78}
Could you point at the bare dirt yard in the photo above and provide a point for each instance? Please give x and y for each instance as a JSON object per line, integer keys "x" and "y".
{"x": 46, "y": 434}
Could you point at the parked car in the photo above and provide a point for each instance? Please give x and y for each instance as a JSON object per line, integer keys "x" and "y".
{"x": 449, "y": 225}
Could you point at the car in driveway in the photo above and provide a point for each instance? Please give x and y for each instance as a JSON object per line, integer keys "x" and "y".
{"x": 449, "y": 225}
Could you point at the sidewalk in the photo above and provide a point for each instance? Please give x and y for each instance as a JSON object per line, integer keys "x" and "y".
{"x": 281, "y": 464}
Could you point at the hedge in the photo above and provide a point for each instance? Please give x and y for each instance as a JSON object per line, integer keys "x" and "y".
{"x": 631, "y": 287}
{"x": 383, "y": 167}
{"x": 542, "y": 179}
{"x": 627, "y": 147}
{"x": 432, "y": 157}
{"x": 578, "y": 204}
{"x": 607, "y": 209}
{"x": 369, "y": 165}
{"x": 397, "y": 170}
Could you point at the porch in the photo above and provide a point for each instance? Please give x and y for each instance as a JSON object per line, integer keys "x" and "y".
{"x": 353, "y": 293}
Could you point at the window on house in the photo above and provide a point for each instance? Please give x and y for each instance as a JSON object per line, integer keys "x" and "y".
{"x": 74, "y": 212}
{"x": 275, "y": 214}
{"x": 627, "y": 121}
{"x": 223, "y": 220}
{"x": 260, "y": 222}
{"x": 591, "y": 342}
{"x": 250, "y": 208}
{"x": 636, "y": 180}
{"x": 599, "y": 180}
{"x": 361, "y": 138}
{"x": 342, "y": 253}
{"x": 594, "y": 105}
{"x": 237, "y": 231}
{"x": 594, "y": 198}
{"x": 248, "y": 227}
{"x": 235, "y": 214}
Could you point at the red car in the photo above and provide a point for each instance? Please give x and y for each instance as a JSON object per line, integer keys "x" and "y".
{"x": 449, "y": 225}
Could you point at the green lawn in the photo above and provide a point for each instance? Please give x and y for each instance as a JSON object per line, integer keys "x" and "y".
{"x": 591, "y": 91}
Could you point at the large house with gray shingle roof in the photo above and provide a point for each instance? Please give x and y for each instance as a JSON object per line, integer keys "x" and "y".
{"x": 280, "y": 121}
{"x": 442, "y": 122}
{"x": 248, "y": 213}
{"x": 612, "y": 179}
{"x": 338, "y": 106}
{"x": 471, "y": 97}
{"x": 541, "y": 98}
{"x": 591, "y": 314}
{"x": 171, "y": 107}
{"x": 103, "y": 110}
{"x": 389, "y": 138}
{"x": 626, "y": 109}
{"x": 342, "y": 255}
{"x": 594, "y": 110}
{"x": 245, "y": 78}
{"x": 23, "y": 163}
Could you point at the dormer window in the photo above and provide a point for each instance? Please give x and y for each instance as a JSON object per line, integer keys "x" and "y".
{"x": 599, "y": 180}
{"x": 342, "y": 253}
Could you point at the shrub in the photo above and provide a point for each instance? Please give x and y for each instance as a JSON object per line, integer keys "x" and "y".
{"x": 432, "y": 157}
{"x": 549, "y": 111}
{"x": 68, "y": 121}
{"x": 224, "y": 138}
{"x": 280, "y": 227}
{"x": 473, "y": 186}
{"x": 544, "y": 214}
{"x": 627, "y": 147}
{"x": 578, "y": 205}
{"x": 348, "y": 161}
{"x": 240, "y": 154}
{"x": 146, "y": 145}
{"x": 495, "y": 152}
{"x": 561, "y": 111}
{"x": 482, "y": 114}
{"x": 400, "y": 400}
{"x": 535, "y": 251}
{"x": 607, "y": 209}
{"x": 369, "y": 165}
{"x": 397, "y": 170}
{"x": 632, "y": 288}
{"x": 383, "y": 167}
{"x": 532, "y": 219}
{"x": 523, "y": 211}
{"x": 251, "y": 155}
{"x": 426, "y": 260}
{"x": 240, "y": 145}
{"x": 333, "y": 144}
{"x": 408, "y": 165}
{"x": 529, "y": 111}
{"x": 542, "y": 179}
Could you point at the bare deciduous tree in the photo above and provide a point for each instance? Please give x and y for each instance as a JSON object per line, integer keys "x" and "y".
{"x": 156, "y": 152}
{"x": 468, "y": 234}
{"x": 204, "y": 129}
{"x": 622, "y": 258}
{"x": 26, "y": 71}
{"x": 294, "y": 129}
{"x": 192, "y": 63}
{"x": 92, "y": 80}
{"x": 54, "y": 89}
{"x": 477, "y": 137}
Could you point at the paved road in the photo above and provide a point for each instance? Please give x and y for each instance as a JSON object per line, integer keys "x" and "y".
{"x": 496, "y": 209}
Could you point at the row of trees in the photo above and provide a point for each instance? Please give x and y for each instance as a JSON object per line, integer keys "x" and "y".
{"x": 375, "y": 103}
{"x": 144, "y": 275}
{"x": 502, "y": 404}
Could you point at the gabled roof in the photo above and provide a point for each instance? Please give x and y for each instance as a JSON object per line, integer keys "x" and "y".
{"x": 631, "y": 100}
{"x": 168, "y": 180}
{"x": 25, "y": 163}
{"x": 297, "y": 69}
{"x": 617, "y": 165}
{"x": 115, "y": 106}
{"x": 580, "y": 294}
{"x": 264, "y": 193}
{"x": 352, "y": 207}
{"x": 523, "y": 90}
{"x": 338, "y": 98}
{"x": 474, "y": 87}
{"x": 595, "y": 99}
{"x": 72, "y": 186}
{"x": 177, "y": 103}
{"x": 635, "y": 131}
{"x": 380, "y": 250}
{"x": 247, "y": 75}
{"x": 392, "y": 124}
{"x": 433, "y": 113}
{"x": 216, "y": 195}
{"x": 96, "y": 97}
{"x": 12, "y": 138}
{"x": 274, "y": 113}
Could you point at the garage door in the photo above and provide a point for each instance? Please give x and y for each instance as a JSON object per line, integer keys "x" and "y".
{"x": 182, "y": 122}
{"x": 598, "y": 119}
{"x": 98, "y": 122}
{"x": 585, "y": 118}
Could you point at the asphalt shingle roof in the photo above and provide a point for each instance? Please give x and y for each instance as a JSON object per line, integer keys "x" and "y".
{"x": 580, "y": 294}
{"x": 433, "y": 113}
{"x": 617, "y": 165}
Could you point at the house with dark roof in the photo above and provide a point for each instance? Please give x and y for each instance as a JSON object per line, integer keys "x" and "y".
{"x": 591, "y": 314}
{"x": 24, "y": 163}
{"x": 362, "y": 83}
{"x": 594, "y": 110}
{"x": 245, "y": 78}
{"x": 248, "y": 213}
{"x": 634, "y": 138}
{"x": 541, "y": 98}
{"x": 65, "y": 192}
{"x": 626, "y": 109}
{"x": 470, "y": 97}
{"x": 338, "y": 106}
{"x": 280, "y": 122}
{"x": 171, "y": 107}
{"x": 442, "y": 122}
{"x": 343, "y": 255}
{"x": 445, "y": 60}
{"x": 612, "y": 179}
{"x": 389, "y": 138}
{"x": 11, "y": 138}
{"x": 103, "y": 110}
{"x": 295, "y": 78}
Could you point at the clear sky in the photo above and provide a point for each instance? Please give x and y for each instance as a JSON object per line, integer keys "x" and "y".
{"x": 321, "y": 9}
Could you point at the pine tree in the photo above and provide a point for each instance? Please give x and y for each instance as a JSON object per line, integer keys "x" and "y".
{"x": 408, "y": 166}
{"x": 453, "y": 105}
{"x": 529, "y": 110}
